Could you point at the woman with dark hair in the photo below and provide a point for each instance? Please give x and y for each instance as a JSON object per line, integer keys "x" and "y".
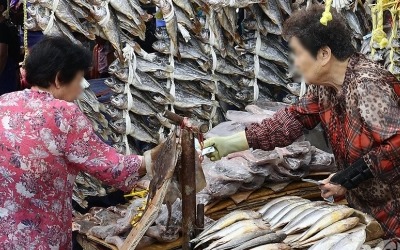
{"x": 45, "y": 140}
{"x": 356, "y": 101}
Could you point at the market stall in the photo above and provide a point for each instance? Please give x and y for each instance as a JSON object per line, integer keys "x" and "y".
{"x": 221, "y": 65}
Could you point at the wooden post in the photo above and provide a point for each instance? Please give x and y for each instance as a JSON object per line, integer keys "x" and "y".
{"x": 188, "y": 184}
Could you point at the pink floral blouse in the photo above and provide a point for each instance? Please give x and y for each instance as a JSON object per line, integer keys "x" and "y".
{"x": 44, "y": 143}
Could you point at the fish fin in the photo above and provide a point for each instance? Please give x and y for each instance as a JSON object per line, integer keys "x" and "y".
{"x": 146, "y": 16}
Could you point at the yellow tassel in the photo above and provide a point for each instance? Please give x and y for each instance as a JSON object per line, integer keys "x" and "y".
{"x": 326, "y": 15}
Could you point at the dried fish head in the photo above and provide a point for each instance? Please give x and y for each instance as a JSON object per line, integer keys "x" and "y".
{"x": 291, "y": 99}
{"x": 249, "y": 44}
{"x": 114, "y": 66}
{"x": 162, "y": 46}
{"x": 31, "y": 24}
{"x": 33, "y": 9}
{"x": 122, "y": 74}
{"x": 161, "y": 74}
{"x": 244, "y": 95}
{"x": 119, "y": 101}
{"x": 249, "y": 24}
{"x": 98, "y": 12}
{"x": 113, "y": 112}
{"x": 294, "y": 87}
{"x": 244, "y": 82}
{"x": 161, "y": 33}
{"x": 119, "y": 126}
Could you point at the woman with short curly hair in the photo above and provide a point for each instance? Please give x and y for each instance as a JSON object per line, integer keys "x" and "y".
{"x": 356, "y": 101}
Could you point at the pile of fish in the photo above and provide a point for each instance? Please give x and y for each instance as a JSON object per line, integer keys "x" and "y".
{"x": 287, "y": 222}
{"x": 206, "y": 61}
{"x": 250, "y": 169}
{"x": 240, "y": 230}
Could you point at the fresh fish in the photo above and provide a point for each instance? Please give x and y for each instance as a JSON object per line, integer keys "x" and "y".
{"x": 65, "y": 13}
{"x": 273, "y": 207}
{"x": 335, "y": 228}
{"x": 239, "y": 233}
{"x": 290, "y": 215}
{"x": 186, "y": 51}
{"x": 328, "y": 242}
{"x": 269, "y": 204}
{"x": 307, "y": 218}
{"x": 249, "y": 225}
{"x": 109, "y": 23}
{"x": 136, "y": 130}
{"x": 226, "y": 221}
{"x": 271, "y": 9}
{"x": 276, "y": 208}
{"x": 326, "y": 221}
{"x": 262, "y": 240}
{"x": 279, "y": 216}
{"x": 352, "y": 241}
{"x": 242, "y": 239}
{"x": 274, "y": 246}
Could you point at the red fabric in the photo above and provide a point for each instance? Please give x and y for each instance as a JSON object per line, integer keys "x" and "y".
{"x": 44, "y": 143}
{"x": 361, "y": 120}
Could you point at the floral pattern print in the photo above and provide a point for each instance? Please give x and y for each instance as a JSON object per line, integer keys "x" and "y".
{"x": 44, "y": 143}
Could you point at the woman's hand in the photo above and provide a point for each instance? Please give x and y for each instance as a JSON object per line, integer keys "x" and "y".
{"x": 328, "y": 189}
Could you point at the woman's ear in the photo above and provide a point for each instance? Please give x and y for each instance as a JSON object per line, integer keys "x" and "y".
{"x": 57, "y": 82}
{"x": 324, "y": 55}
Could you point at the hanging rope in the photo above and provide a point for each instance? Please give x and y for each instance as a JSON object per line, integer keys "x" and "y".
{"x": 214, "y": 64}
{"x": 26, "y": 51}
{"x": 256, "y": 90}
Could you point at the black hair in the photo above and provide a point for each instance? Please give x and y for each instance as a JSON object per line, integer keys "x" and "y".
{"x": 305, "y": 25}
{"x": 54, "y": 55}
